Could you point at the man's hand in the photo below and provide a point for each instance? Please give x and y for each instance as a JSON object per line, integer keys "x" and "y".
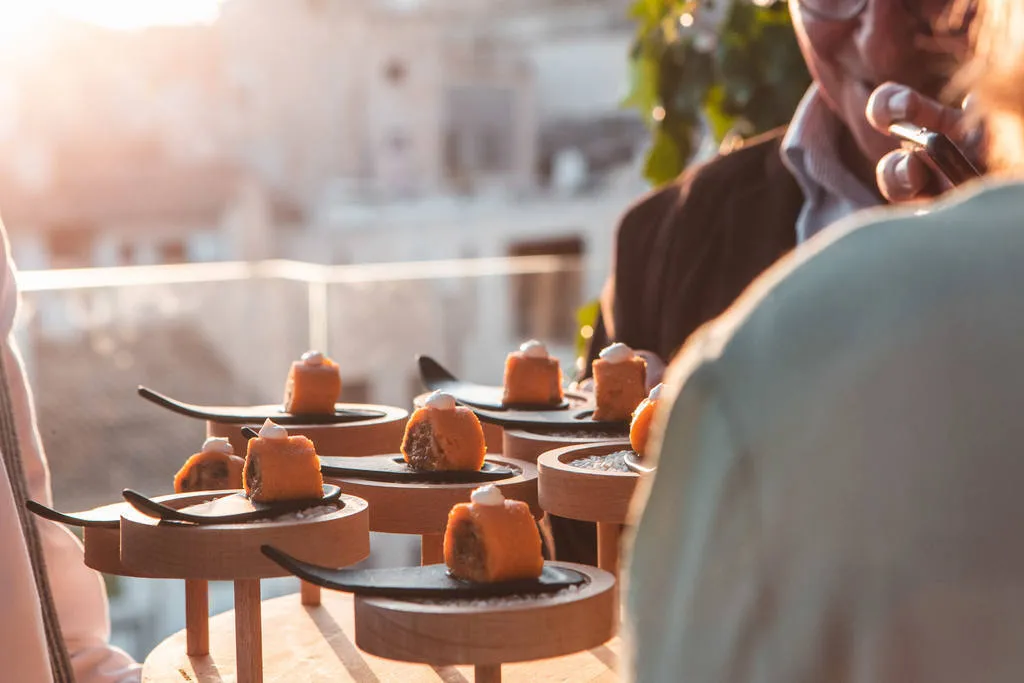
{"x": 904, "y": 175}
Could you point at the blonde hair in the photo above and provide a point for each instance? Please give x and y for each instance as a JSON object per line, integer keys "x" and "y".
{"x": 995, "y": 76}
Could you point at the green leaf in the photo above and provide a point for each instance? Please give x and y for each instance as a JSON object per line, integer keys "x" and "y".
{"x": 664, "y": 160}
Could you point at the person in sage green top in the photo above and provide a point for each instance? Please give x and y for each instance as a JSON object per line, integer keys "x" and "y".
{"x": 840, "y": 483}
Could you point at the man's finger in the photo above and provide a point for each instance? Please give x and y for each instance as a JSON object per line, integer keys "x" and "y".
{"x": 902, "y": 176}
{"x": 892, "y": 103}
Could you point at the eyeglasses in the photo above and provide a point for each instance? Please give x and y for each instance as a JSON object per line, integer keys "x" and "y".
{"x": 937, "y": 18}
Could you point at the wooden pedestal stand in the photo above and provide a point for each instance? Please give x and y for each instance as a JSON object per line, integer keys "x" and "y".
{"x": 231, "y": 552}
{"x": 589, "y": 495}
{"x": 492, "y": 432}
{"x": 422, "y": 509}
{"x": 354, "y": 439}
{"x": 489, "y": 633}
{"x": 528, "y": 445}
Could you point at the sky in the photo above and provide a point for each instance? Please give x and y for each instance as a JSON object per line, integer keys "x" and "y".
{"x": 18, "y": 16}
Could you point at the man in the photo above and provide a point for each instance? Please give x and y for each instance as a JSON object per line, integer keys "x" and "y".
{"x": 686, "y": 251}
{"x": 53, "y": 622}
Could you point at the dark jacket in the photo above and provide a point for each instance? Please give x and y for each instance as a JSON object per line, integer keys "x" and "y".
{"x": 687, "y": 250}
{"x": 683, "y": 254}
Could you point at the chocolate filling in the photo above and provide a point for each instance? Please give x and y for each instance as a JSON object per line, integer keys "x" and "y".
{"x": 470, "y": 560}
{"x": 421, "y": 447}
{"x": 253, "y": 481}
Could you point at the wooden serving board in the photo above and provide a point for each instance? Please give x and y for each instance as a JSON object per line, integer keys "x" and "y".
{"x": 317, "y": 644}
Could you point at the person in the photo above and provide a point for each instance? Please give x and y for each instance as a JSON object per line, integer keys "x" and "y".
{"x": 838, "y": 479}
{"x": 54, "y": 620}
{"x": 687, "y": 250}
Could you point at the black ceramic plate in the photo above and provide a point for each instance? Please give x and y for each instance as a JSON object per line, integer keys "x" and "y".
{"x": 635, "y": 463}
{"x": 437, "y": 378}
{"x": 230, "y": 508}
{"x": 431, "y": 581}
{"x": 107, "y": 517}
{"x": 257, "y": 414}
{"x": 393, "y": 468}
{"x": 576, "y": 420}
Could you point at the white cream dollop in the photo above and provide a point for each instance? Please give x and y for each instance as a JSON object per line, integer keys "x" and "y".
{"x": 533, "y": 349}
{"x": 655, "y": 393}
{"x": 487, "y": 495}
{"x": 269, "y": 430}
{"x": 217, "y": 444}
{"x": 313, "y": 358}
{"x": 617, "y": 353}
{"x": 440, "y": 401}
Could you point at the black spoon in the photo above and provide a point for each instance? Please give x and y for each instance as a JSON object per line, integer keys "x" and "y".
{"x": 431, "y": 581}
{"x": 242, "y": 414}
{"x": 436, "y": 378}
{"x": 106, "y": 517}
{"x": 230, "y": 508}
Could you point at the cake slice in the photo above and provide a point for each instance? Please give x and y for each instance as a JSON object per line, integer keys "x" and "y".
{"x": 620, "y": 380}
{"x": 640, "y": 428}
{"x": 492, "y": 539}
{"x": 532, "y": 377}
{"x": 213, "y": 468}
{"x": 281, "y": 467}
{"x": 443, "y": 436}
{"x": 313, "y": 385}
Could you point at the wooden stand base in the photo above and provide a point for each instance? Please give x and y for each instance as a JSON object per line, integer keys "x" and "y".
{"x": 317, "y": 644}
{"x": 526, "y": 445}
{"x": 431, "y": 549}
{"x": 589, "y": 495}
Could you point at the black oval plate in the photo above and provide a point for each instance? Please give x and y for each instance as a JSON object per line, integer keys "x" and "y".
{"x": 257, "y": 414}
{"x": 431, "y": 581}
{"x": 635, "y": 463}
{"x": 436, "y": 378}
{"x": 578, "y": 420}
{"x": 231, "y": 508}
{"x": 393, "y": 468}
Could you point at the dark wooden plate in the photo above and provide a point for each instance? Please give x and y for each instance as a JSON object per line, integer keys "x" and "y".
{"x": 257, "y": 414}
{"x": 230, "y": 508}
{"x": 636, "y": 463}
{"x": 431, "y": 581}
{"x": 393, "y": 468}
{"x": 436, "y": 378}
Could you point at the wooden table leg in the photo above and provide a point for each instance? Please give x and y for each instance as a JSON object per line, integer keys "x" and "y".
{"x": 197, "y": 618}
{"x": 310, "y": 594}
{"x": 248, "y": 631}
{"x": 608, "y": 538}
{"x": 431, "y": 549}
{"x": 489, "y": 673}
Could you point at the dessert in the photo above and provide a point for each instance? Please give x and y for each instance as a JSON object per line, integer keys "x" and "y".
{"x": 213, "y": 468}
{"x": 492, "y": 539}
{"x": 620, "y": 378}
{"x": 313, "y": 386}
{"x": 532, "y": 377}
{"x": 281, "y": 467}
{"x": 640, "y": 428}
{"x": 443, "y": 436}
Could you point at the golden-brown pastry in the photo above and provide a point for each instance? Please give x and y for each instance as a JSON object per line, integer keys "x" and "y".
{"x": 281, "y": 467}
{"x": 313, "y": 386}
{"x": 492, "y": 539}
{"x": 213, "y": 468}
{"x": 443, "y": 436}
{"x": 639, "y": 429}
{"x": 620, "y": 380}
{"x": 532, "y": 377}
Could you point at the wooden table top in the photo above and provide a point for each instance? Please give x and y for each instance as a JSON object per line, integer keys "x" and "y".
{"x": 317, "y": 644}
